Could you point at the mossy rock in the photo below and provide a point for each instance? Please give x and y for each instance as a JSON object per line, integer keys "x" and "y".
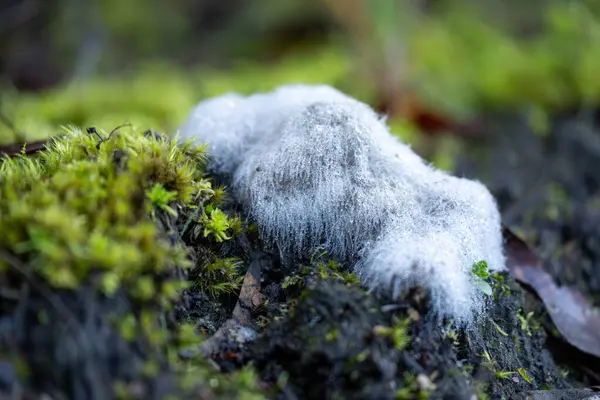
{"x": 92, "y": 263}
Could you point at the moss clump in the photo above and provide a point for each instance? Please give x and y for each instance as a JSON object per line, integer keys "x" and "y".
{"x": 319, "y": 268}
{"x": 219, "y": 276}
{"x": 92, "y": 265}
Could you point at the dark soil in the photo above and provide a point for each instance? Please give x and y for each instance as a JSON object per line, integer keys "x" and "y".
{"x": 548, "y": 189}
{"x": 321, "y": 336}
{"x": 357, "y": 363}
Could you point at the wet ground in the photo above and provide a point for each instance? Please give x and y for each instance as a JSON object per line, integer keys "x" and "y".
{"x": 321, "y": 340}
{"x": 320, "y": 335}
{"x": 548, "y": 189}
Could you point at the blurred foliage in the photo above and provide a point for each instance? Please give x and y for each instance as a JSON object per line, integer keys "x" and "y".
{"x": 465, "y": 57}
{"x": 156, "y": 97}
{"x": 159, "y": 96}
{"x": 468, "y": 64}
{"x": 154, "y": 61}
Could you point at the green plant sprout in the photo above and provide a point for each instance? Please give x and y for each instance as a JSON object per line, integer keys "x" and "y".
{"x": 216, "y": 224}
{"x": 160, "y": 198}
{"x": 480, "y": 273}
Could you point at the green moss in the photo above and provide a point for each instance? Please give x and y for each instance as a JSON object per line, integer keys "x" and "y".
{"x": 529, "y": 324}
{"x": 524, "y": 375}
{"x": 481, "y": 389}
{"x": 216, "y": 224}
{"x": 332, "y": 335}
{"x": 328, "y": 269}
{"x": 411, "y": 389}
{"x": 499, "y": 285}
{"x": 319, "y": 267}
{"x": 291, "y": 281}
{"x": 504, "y": 374}
{"x": 160, "y": 198}
{"x": 101, "y": 214}
{"x": 218, "y": 277}
{"x": 68, "y": 214}
{"x": 398, "y": 332}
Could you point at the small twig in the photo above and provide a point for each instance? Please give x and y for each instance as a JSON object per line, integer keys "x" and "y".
{"x": 16, "y": 149}
{"x": 249, "y": 300}
{"x": 116, "y": 129}
{"x": 92, "y": 130}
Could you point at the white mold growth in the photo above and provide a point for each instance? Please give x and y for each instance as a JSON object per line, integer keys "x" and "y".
{"x": 316, "y": 168}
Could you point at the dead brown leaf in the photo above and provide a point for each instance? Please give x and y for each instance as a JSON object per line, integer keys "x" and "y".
{"x": 571, "y": 312}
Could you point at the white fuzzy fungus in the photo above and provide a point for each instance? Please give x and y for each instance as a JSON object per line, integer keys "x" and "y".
{"x": 315, "y": 168}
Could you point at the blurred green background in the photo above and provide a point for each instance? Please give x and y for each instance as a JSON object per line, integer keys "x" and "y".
{"x": 147, "y": 62}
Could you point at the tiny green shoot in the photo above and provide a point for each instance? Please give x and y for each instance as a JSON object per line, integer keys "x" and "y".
{"x": 480, "y": 273}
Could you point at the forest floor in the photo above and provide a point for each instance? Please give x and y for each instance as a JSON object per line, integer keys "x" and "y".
{"x": 311, "y": 331}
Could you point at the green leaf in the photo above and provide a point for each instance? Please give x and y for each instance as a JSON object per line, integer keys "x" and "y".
{"x": 480, "y": 269}
{"x": 523, "y": 374}
{"x": 483, "y": 286}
